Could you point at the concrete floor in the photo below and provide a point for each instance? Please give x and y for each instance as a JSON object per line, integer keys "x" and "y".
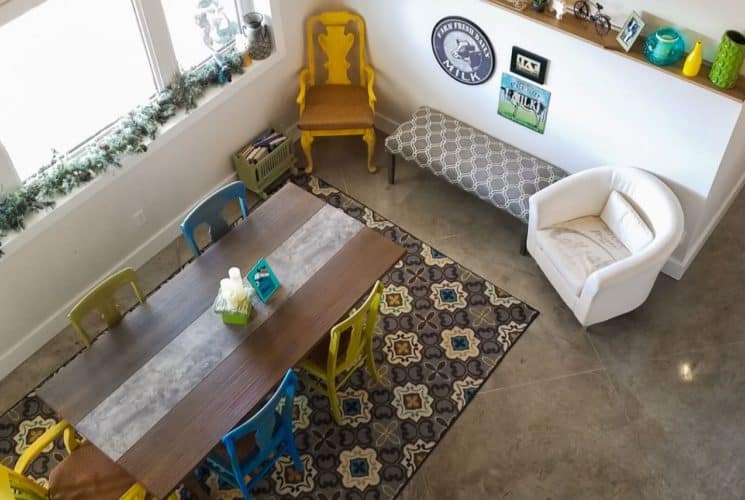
{"x": 648, "y": 405}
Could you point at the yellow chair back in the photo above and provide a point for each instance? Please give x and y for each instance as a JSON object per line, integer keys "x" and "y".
{"x": 101, "y": 299}
{"x": 336, "y": 43}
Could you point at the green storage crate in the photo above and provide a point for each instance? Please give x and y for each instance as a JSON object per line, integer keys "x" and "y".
{"x": 258, "y": 176}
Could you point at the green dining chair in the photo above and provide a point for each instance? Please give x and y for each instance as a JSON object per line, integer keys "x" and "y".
{"x": 101, "y": 299}
{"x": 349, "y": 346}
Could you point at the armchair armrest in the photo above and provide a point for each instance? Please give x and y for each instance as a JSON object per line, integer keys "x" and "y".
{"x": 370, "y": 82}
{"x": 581, "y": 194}
{"x": 33, "y": 451}
{"x": 304, "y": 79}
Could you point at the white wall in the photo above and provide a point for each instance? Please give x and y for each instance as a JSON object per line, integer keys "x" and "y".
{"x": 45, "y": 274}
{"x": 605, "y": 109}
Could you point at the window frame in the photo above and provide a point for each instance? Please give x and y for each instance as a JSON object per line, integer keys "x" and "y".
{"x": 159, "y": 50}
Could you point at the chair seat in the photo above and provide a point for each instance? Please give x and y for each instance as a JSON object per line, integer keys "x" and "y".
{"x": 317, "y": 359}
{"x": 88, "y": 474}
{"x": 245, "y": 448}
{"x": 580, "y": 247}
{"x": 336, "y": 107}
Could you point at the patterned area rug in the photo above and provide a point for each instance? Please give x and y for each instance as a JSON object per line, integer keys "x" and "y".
{"x": 442, "y": 331}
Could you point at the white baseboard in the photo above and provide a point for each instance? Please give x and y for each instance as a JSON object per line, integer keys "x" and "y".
{"x": 385, "y": 124}
{"x": 55, "y": 323}
{"x": 679, "y": 268}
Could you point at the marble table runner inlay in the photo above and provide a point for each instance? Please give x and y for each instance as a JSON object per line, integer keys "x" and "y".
{"x": 121, "y": 419}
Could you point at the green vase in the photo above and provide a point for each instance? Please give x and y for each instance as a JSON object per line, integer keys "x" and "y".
{"x": 725, "y": 70}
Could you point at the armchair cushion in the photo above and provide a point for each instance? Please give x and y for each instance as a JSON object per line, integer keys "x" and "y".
{"x": 626, "y": 223}
{"x": 579, "y": 247}
{"x": 336, "y": 107}
{"x": 88, "y": 474}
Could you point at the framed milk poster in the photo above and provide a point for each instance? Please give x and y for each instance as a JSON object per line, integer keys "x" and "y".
{"x": 523, "y": 103}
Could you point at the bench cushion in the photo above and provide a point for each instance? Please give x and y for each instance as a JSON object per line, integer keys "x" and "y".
{"x": 491, "y": 169}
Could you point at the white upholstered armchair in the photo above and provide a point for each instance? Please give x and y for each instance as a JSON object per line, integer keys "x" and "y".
{"x": 601, "y": 237}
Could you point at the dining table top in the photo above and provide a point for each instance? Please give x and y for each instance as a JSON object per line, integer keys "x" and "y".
{"x": 158, "y": 391}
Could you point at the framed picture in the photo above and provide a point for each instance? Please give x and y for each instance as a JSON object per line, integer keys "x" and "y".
{"x": 529, "y": 65}
{"x": 523, "y": 103}
{"x": 463, "y": 50}
{"x": 630, "y": 31}
{"x": 263, "y": 280}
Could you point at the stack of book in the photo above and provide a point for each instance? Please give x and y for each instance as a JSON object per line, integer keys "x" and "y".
{"x": 267, "y": 142}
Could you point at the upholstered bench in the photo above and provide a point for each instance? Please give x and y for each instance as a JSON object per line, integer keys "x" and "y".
{"x": 483, "y": 165}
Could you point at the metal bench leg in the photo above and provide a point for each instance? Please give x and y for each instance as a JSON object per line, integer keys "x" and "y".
{"x": 524, "y": 241}
{"x": 392, "y": 170}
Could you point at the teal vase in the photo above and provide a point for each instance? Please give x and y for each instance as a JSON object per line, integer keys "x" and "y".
{"x": 725, "y": 70}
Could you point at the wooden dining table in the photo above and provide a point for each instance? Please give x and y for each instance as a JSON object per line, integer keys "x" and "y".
{"x": 158, "y": 391}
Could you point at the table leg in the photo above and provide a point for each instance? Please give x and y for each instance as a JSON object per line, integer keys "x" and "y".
{"x": 392, "y": 170}
{"x": 195, "y": 487}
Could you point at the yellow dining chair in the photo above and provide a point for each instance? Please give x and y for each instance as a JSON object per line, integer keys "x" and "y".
{"x": 333, "y": 360}
{"x": 337, "y": 106}
{"x": 85, "y": 474}
{"x": 101, "y": 299}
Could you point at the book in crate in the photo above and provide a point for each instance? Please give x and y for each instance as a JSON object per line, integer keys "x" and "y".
{"x": 264, "y": 160}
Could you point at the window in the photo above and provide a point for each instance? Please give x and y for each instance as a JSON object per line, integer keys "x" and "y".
{"x": 200, "y": 27}
{"x": 74, "y": 67}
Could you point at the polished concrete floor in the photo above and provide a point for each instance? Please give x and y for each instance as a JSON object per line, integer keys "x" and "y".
{"x": 648, "y": 405}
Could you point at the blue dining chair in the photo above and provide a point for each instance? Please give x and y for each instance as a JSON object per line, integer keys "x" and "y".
{"x": 255, "y": 445}
{"x": 209, "y": 211}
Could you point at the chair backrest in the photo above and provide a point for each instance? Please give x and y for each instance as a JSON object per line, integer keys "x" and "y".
{"x": 15, "y": 486}
{"x": 209, "y": 211}
{"x": 101, "y": 299}
{"x": 353, "y": 335}
{"x": 336, "y": 43}
{"x": 271, "y": 429}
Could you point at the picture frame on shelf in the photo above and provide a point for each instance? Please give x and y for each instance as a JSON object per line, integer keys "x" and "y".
{"x": 263, "y": 280}
{"x": 529, "y": 65}
{"x": 630, "y": 31}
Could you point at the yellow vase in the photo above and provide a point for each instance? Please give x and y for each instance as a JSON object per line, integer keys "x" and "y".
{"x": 693, "y": 62}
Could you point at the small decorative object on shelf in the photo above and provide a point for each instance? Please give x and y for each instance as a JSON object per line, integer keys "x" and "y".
{"x": 529, "y": 65}
{"x": 664, "y": 47}
{"x": 233, "y": 301}
{"x": 725, "y": 70}
{"x": 539, "y": 5}
{"x": 263, "y": 280}
{"x": 519, "y": 4}
{"x": 583, "y": 11}
{"x": 257, "y": 33}
{"x": 264, "y": 160}
{"x": 693, "y": 62}
{"x": 558, "y": 7}
{"x": 241, "y": 45}
{"x": 630, "y": 31}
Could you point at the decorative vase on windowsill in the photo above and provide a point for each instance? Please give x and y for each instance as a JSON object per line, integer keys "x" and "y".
{"x": 725, "y": 70}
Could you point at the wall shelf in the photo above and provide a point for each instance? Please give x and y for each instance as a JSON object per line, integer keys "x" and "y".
{"x": 585, "y": 31}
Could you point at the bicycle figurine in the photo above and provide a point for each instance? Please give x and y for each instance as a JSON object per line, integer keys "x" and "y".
{"x": 601, "y": 20}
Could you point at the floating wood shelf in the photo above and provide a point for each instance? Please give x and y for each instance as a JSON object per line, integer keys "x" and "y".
{"x": 585, "y": 31}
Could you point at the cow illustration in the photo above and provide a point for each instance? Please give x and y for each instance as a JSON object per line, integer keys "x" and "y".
{"x": 531, "y": 104}
{"x": 468, "y": 54}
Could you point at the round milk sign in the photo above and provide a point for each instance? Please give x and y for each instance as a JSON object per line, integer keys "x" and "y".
{"x": 463, "y": 50}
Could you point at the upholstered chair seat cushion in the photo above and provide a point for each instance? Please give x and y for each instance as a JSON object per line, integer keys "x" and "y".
{"x": 88, "y": 474}
{"x": 335, "y": 107}
{"x": 579, "y": 247}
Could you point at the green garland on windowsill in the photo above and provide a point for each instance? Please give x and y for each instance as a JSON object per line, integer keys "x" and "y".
{"x": 129, "y": 135}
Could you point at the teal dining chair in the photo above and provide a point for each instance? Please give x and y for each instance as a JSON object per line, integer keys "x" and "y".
{"x": 255, "y": 445}
{"x": 209, "y": 211}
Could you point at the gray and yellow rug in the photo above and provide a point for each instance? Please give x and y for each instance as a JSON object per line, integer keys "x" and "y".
{"x": 442, "y": 331}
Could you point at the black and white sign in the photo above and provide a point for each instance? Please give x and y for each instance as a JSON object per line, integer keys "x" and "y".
{"x": 463, "y": 50}
{"x": 529, "y": 65}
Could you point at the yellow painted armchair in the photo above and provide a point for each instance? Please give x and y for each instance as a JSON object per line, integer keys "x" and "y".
{"x": 85, "y": 474}
{"x": 337, "y": 106}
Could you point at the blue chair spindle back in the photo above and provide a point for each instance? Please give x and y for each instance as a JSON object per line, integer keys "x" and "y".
{"x": 273, "y": 436}
{"x": 209, "y": 211}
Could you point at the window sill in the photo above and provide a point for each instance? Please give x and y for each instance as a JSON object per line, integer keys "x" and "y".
{"x": 213, "y": 98}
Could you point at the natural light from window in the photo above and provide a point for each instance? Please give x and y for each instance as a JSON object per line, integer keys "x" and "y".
{"x": 67, "y": 69}
{"x": 199, "y": 27}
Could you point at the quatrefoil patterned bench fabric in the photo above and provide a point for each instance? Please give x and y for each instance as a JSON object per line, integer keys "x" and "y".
{"x": 467, "y": 157}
